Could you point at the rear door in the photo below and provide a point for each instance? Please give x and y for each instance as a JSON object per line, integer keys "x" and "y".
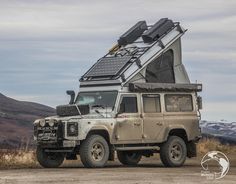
{"x": 152, "y": 117}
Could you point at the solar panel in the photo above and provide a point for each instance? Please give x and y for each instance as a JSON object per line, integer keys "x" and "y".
{"x": 109, "y": 66}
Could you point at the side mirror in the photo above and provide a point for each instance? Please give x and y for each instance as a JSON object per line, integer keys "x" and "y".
{"x": 72, "y": 96}
{"x": 199, "y": 102}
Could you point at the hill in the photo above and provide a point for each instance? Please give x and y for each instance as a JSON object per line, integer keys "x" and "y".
{"x": 222, "y": 130}
{"x": 16, "y": 120}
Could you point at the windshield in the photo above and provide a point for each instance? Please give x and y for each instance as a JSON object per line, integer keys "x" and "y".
{"x": 105, "y": 99}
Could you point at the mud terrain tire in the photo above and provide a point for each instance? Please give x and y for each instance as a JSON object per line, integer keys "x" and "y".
{"x": 173, "y": 152}
{"x": 49, "y": 160}
{"x": 129, "y": 157}
{"x": 94, "y": 151}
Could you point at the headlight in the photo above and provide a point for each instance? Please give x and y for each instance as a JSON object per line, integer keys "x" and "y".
{"x": 72, "y": 129}
{"x": 36, "y": 122}
{"x": 51, "y": 122}
{"x": 42, "y": 122}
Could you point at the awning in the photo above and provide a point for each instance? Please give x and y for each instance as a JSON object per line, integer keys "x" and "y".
{"x": 158, "y": 87}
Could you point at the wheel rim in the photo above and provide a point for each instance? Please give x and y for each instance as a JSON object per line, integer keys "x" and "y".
{"x": 97, "y": 151}
{"x": 176, "y": 152}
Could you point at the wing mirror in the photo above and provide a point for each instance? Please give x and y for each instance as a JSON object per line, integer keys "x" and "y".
{"x": 72, "y": 96}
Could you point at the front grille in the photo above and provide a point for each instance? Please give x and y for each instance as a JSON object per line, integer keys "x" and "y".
{"x": 48, "y": 133}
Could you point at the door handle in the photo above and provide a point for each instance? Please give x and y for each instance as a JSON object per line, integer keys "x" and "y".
{"x": 159, "y": 123}
{"x": 137, "y": 124}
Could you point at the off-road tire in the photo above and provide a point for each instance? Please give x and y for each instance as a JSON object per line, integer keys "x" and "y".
{"x": 90, "y": 158}
{"x": 129, "y": 157}
{"x": 49, "y": 160}
{"x": 173, "y": 152}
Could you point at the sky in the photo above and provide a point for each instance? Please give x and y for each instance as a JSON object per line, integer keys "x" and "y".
{"x": 46, "y": 45}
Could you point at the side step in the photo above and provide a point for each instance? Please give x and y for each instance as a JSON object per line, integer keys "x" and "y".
{"x": 128, "y": 148}
{"x": 59, "y": 151}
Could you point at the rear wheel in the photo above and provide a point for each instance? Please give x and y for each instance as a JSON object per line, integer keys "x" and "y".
{"x": 173, "y": 152}
{"x": 129, "y": 157}
{"x": 94, "y": 151}
{"x": 49, "y": 159}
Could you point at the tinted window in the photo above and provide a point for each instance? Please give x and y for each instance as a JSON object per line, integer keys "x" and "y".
{"x": 128, "y": 105}
{"x": 151, "y": 103}
{"x": 178, "y": 103}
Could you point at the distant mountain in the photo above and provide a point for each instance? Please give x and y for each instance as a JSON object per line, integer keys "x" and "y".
{"x": 16, "y": 120}
{"x": 224, "y": 131}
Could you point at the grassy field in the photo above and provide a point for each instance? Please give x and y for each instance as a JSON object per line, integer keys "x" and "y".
{"x": 17, "y": 159}
{"x": 10, "y": 159}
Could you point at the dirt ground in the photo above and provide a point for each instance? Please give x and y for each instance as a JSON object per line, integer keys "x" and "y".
{"x": 148, "y": 171}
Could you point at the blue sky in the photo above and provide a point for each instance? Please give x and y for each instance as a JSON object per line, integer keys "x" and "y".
{"x": 45, "y": 46}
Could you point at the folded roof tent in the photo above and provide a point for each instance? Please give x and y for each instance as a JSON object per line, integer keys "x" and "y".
{"x": 143, "y": 54}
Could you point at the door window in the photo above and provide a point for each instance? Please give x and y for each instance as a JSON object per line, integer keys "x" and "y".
{"x": 128, "y": 105}
{"x": 151, "y": 103}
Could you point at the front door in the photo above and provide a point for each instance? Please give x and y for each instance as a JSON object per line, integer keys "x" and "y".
{"x": 129, "y": 124}
{"x": 152, "y": 117}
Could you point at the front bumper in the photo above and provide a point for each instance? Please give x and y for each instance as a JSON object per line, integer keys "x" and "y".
{"x": 58, "y": 145}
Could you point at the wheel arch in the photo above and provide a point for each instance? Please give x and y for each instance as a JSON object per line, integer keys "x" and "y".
{"x": 100, "y": 131}
{"x": 179, "y": 131}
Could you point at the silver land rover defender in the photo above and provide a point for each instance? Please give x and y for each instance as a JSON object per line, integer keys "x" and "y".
{"x": 136, "y": 101}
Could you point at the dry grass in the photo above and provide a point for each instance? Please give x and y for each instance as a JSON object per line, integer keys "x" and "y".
{"x": 206, "y": 145}
{"x": 10, "y": 159}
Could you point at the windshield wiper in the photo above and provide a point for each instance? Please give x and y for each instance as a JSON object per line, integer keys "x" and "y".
{"x": 98, "y": 105}
{"x": 97, "y": 111}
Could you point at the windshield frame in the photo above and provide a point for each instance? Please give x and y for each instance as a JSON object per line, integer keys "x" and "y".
{"x": 116, "y": 92}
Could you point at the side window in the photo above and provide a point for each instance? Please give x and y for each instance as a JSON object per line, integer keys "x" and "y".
{"x": 178, "y": 103}
{"x": 128, "y": 105}
{"x": 151, "y": 103}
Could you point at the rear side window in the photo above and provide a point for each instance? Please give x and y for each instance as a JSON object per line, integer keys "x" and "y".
{"x": 151, "y": 103}
{"x": 178, "y": 103}
{"x": 128, "y": 105}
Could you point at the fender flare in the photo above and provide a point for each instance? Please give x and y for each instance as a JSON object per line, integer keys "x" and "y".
{"x": 174, "y": 127}
{"x": 100, "y": 128}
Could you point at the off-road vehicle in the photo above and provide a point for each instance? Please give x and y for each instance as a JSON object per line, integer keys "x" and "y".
{"x": 135, "y": 101}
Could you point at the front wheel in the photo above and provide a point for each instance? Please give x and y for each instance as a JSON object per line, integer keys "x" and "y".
{"x": 49, "y": 159}
{"x": 94, "y": 151}
{"x": 173, "y": 152}
{"x": 129, "y": 157}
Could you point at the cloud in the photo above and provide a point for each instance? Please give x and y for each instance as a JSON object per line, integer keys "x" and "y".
{"x": 218, "y": 108}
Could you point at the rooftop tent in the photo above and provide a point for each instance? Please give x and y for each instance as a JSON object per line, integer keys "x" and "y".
{"x": 160, "y": 70}
{"x": 144, "y": 53}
